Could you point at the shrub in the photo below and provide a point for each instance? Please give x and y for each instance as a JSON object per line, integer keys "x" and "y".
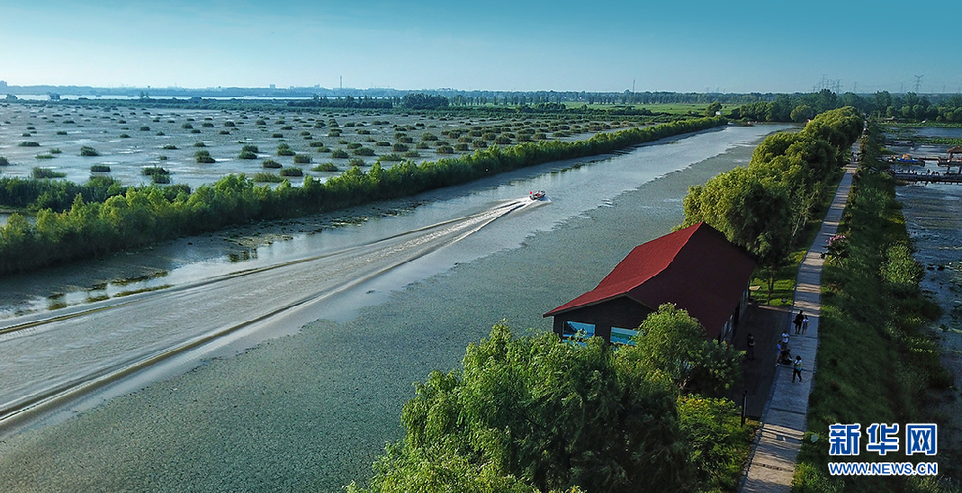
{"x": 260, "y": 122}
{"x": 364, "y": 151}
{"x": 340, "y": 154}
{"x": 271, "y": 164}
{"x": 200, "y": 144}
{"x": 356, "y": 161}
{"x": 195, "y": 131}
{"x": 284, "y": 150}
{"x": 100, "y": 168}
{"x": 291, "y": 171}
{"x": 399, "y": 147}
{"x": 4, "y": 161}
{"x": 230, "y": 124}
{"x": 354, "y": 145}
{"x": 44, "y": 156}
{"x": 250, "y": 148}
{"x": 333, "y": 133}
{"x": 186, "y": 126}
{"x": 124, "y": 136}
{"x": 207, "y": 125}
{"x": 88, "y": 151}
{"x": 161, "y": 157}
{"x": 247, "y": 155}
{"x": 316, "y": 143}
{"x": 461, "y": 147}
{"x": 445, "y": 150}
{"x": 145, "y": 129}
{"x": 267, "y": 178}
{"x": 302, "y": 159}
{"x": 160, "y": 178}
{"x": 391, "y": 157}
{"x": 428, "y": 136}
{"x": 39, "y": 173}
{"x": 61, "y": 132}
{"x": 160, "y": 134}
{"x": 29, "y": 143}
{"x": 383, "y": 143}
{"x": 412, "y": 153}
{"x": 277, "y": 135}
{"x": 325, "y": 167}
{"x": 224, "y": 132}
{"x": 154, "y": 170}
{"x": 203, "y": 157}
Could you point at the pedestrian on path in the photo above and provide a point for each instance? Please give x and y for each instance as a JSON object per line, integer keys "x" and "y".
{"x": 797, "y": 370}
{"x": 751, "y": 348}
{"x": 805, "y": 324}
{"x": 785, "y": 338}
{"x": 798, "y": 322}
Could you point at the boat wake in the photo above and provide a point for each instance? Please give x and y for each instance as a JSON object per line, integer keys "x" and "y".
{"x": 58, "y": 363}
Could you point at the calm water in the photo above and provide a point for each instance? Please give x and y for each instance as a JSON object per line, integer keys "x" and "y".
{"x": 311, "y": 411}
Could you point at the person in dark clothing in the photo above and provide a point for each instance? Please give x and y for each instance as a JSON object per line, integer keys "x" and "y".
{"x": 751, "y": 348}
{"x": 798, "y": 321}
{"x": 797, "y": 369}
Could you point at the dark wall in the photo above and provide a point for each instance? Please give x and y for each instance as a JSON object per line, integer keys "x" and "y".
{"x": 620, "y": 312}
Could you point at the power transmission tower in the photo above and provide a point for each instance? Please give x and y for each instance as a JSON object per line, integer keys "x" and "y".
{"x": 918, "y": 83}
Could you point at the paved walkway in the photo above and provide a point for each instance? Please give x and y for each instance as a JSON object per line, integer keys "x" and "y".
{"x": 772, "y": 463}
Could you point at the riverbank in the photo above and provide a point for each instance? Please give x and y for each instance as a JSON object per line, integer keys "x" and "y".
{"x": 312, "y": 411}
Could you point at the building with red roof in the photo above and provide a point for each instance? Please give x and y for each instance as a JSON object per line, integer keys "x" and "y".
{"x": 696, "y": 268}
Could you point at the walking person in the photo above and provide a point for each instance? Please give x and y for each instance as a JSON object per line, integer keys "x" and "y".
{"x": 797, "y": 369}
{"x": 751, "y": 348}
{"x": 805, "y": 324}
{"x": 798, "y": 321}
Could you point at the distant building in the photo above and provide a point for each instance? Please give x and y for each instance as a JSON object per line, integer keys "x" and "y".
{"x": 3, "y": 84}
{"x": 696, "y": 268}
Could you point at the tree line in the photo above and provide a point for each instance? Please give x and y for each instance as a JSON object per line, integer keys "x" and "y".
{"x": 139, "y": 216}
{"x": 534, "y": 413}
{"x": 764, "y": 207}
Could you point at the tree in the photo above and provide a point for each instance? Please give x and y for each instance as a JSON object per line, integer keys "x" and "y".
{"x": 673, "y": 343}
{"x": 802, "y": 113}
{"x": 712, "y": 109}
{"x": 549, "y": 414}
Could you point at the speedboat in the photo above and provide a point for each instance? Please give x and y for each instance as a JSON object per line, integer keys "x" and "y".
{"x": 536, "y": 195}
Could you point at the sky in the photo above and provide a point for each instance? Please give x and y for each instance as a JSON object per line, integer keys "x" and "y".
{"x": 732, "y": 46}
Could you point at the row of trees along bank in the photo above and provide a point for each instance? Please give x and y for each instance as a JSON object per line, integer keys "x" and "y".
{"x": 878, "y": 362}
{"x": 140, "y": 216}
{"x": 765, "y": 207}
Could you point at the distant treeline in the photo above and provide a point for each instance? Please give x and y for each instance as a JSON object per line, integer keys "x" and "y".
{"x": 802, "y": 107}
{"x": 140, "y": 216}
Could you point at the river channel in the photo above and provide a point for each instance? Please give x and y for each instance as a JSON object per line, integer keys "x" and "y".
{"x": 151, "y": 385}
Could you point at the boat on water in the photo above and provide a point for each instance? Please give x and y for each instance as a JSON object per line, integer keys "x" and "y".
{"x": 536, "y": 195}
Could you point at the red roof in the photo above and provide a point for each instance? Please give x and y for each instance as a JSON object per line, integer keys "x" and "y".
{"x": 695, "y": 268}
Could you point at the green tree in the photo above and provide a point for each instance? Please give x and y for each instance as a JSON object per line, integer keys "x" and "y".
{"x": 713, "y": 108}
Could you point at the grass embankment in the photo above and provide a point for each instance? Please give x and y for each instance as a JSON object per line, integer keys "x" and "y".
{"x": 874, "y": 365}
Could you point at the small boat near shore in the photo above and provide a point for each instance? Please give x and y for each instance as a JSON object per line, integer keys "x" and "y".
{"x": 536, "y": 195}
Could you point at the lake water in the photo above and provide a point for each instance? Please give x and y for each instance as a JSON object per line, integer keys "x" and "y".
{"x": 311, "y": 411}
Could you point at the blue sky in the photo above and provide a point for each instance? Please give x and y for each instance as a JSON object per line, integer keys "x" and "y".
{"x": 602, "y": 45}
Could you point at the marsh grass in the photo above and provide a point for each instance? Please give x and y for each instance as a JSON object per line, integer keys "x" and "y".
{"x": 267, "y": 178}
{"x": 40, "y": 173}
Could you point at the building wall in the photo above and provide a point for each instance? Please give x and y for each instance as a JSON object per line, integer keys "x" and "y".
{"x": 620, "y": 312}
